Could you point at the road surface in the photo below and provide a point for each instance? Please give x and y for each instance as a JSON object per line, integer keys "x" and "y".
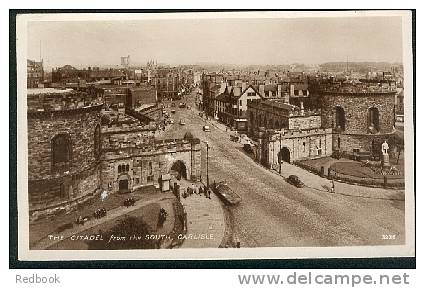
{"x": 274, "y": 213}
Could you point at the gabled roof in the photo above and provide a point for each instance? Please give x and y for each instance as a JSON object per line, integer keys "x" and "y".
{"x": 222, "y": 97}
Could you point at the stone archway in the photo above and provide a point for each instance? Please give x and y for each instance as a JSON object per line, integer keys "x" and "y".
{"x": 180, "y": 168}
{"x": 284, "y": 155}
{"x": 123, "y": 183}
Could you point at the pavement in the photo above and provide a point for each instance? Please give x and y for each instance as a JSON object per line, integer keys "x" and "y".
{"x": 205, "y": 219}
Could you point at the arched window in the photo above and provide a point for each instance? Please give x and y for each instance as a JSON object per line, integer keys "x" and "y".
{"x": 97, "y": 142}
{"x": 373, "y": 120}
{"x": 339, "y": 119}
{"x": 61, "y": 150}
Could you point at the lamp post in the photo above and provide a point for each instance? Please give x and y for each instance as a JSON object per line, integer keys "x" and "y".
{"x": 208, "y": 179}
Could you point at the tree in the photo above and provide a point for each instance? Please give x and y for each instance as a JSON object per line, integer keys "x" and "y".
{"x": 127, "y": 227}
{"x": 398, "y": 142}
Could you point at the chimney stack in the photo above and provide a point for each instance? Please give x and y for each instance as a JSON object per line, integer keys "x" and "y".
{"x": 243, "y": 86}
{"x": 262, "y": 90}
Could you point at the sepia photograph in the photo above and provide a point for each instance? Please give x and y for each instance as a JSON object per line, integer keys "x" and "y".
{"x": 215, "y": 135}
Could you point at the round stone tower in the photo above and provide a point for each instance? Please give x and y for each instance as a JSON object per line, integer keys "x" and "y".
{"x": 362, "y": 116}
{"x": 64, "y": 148}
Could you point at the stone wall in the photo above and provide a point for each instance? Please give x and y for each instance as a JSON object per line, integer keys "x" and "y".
{"x": 349, "y": 142}
{"x": 49, "y": 196}
{"x": 49, "y": 188}
{"x": 305, "y": 122}
{"x": 356, "y": 111}
{"x": 43, "y": 127}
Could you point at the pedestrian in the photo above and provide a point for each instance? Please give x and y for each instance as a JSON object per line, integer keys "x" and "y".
{"x": 201, "y": 191}
{"x": 209, "y": 194}
{"x": 333, "y": 186}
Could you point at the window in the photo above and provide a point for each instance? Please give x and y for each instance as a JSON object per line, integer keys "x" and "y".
{"x": 97, "y": 142}
{"x": 373, "y": 120}
{"x": 150, "y": 173}
{"x": 339, "y": 119}
{"x": 303, "y": 146}
{"x": 123, "y": 168}
{"x": 61, "y": 150}
{"x": 240, "y": 102}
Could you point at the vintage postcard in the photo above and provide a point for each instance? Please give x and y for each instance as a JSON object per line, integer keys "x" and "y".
{"x": 225, "y": 135}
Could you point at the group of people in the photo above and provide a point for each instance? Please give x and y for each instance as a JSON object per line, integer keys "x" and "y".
{"x": 201, "y": 191}
{"x": 99, "y": 213}
{"x": 162, "y": 217}
{"x": 129, "y": 202}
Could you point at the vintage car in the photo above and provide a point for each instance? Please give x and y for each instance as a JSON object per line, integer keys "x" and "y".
{"x": 225, "y": 193}
{"x": 206, "y": 128}
{"x": 248, "y": 148}
{"x": 294, "y": 180}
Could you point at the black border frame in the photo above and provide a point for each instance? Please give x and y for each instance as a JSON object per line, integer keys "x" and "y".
{"x": 322, "y": 263}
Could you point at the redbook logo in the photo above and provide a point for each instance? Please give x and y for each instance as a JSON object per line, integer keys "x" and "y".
{"x": 36, "y": 279}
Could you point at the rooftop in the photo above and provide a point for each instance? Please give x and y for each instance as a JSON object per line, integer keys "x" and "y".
{"x": 48, "y": 91}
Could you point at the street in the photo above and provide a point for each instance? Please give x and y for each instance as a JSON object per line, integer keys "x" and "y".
{"x": 274, "y": 213}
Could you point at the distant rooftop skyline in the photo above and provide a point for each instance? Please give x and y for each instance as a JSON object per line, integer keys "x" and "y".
{"x": 223, "y": 41}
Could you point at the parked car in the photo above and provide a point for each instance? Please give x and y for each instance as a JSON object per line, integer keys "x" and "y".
{"x": 248, "y": 149}
{"x": 171, "y": 121}
{"x": 294, "y": 180}
{"x": 182, "y": 122}
{"x": 173, "y": 111}
{"x": 206, "y": 128}
{"x": 182, "y": 105}
{"x": 234, "y": 138}
{"x": 173, "y": 104}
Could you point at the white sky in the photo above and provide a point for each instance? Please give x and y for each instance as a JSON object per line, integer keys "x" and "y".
{"x": 230, "y": 41}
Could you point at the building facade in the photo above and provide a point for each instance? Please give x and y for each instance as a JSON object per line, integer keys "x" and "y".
{"x": 35, "y": 73}
{"x": 285, "y": 133}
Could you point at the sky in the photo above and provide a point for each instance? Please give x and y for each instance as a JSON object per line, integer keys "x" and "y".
{"x": 223, "y": 41}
